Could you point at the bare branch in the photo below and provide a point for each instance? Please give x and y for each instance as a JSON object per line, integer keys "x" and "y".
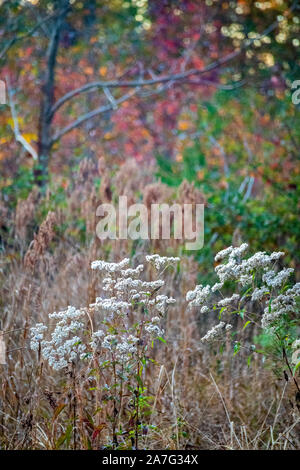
{"x": 24, "y": 36}
{"x": 18, "y": 136}
{"x": 90, "y": 115}
{"x": 110, "y": 98}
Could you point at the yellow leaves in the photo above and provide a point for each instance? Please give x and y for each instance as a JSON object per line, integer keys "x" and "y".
{"x": 267, "y": 58}
{"x": 183, "y": 125}
{"x": 102, "y": 71}
{"x": 145, "y": 133}
{"x": 6, "y": 182}
{"x": 10, "y": 121}
{"x": 108, "y": 135}
{"x": 30, "y": 137}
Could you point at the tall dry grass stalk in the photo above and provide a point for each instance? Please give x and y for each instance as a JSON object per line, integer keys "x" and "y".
{"x": 41, "y": 242}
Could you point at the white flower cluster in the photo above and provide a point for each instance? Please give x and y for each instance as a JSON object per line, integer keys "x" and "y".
{"x": 110, "y": 267}
{"x": 161, "y": 303}
{"x": 259, "y": 293}
{"x": 161, "y": 262}
{"x": 296, "y": 344}
{"x": 228, "y": 300}
{"x": 64, "y": 346}
{"x": 154, "y": 330}
{"x": 121, "y": 346}
{"x": 133, "y": 272}
{"x": 112, "y": 306}
{"x": 125, "y": 291}
{"x": 281, "y": 305}
{"x": 273, "y": 279}
{"x": 96, "y": 337}
{"x": 296, "y": 352}
{"x": 37, "y": 335}
{"x": 258, "y": 268}
{"x": 126, "y": 347}
{"x": 133, "y": 286}
{"x": 198, "y": 296}
{"x": 231, "y": 252}
{"x": 217, "y": 286}
{"x": 238, "y": 269}
{"x": 216, "y": 332}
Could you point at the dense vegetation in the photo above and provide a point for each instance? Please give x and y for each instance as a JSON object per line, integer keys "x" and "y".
{"x": 183, "y": 101}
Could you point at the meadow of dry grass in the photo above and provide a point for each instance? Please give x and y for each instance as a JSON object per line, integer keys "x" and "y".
{"x": 200, "y": 397}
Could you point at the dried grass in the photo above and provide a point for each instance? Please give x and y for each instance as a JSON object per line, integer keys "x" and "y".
{"x": 201, "y": 398}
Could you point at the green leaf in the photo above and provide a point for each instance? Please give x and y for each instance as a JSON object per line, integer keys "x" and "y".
{"x": 296, "y": 368}
{"x": 161, "y": 339}
{"x": 139, "y": 380}
{"x": 246, "y": 324}
{"x": 241, "y": 313}
{"x": 236, "y": 348}
{"x": 65, "y": 436}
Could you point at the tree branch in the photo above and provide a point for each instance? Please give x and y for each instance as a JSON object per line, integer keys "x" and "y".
{"x": 24, "y": 36}
{"x": 176, "y": 77}
{"x": 45, "y": 118}
{"x": 85, "y": 117}
{"x": 18, "y": 136}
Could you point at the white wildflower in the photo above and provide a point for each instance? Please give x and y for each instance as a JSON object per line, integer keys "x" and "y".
{"x": 162, "y": 261}
{"x": 132, "y": 272}
{"x": 245, "y": 279}
{"x": 37, "y": 335}
{"x": 154, "y": 330}
{"x": 112, "y": 305}
{"x": 217, "y": 286}
{"x": 281, "y": 305}
{"x": 259, "y": 293}
{"x": 108, "y": 284}
{"x": 127, "y": 284}
{"x": 276, "y": 280}
{"x": 110, "y": 267}
{"x": 296, "y": 344}
{"x": 161, "y": 303}
{"x": 296, "y": 352}
{"x": 110, "y": 342}
{"x": 126, "y": 347}
{"x": 228, "y": 300}
{"x": 223, "y": 253}
{"x": 216, "y": 332}
{"x": 96, "y": 337}
{"x": 204, "y": 309}
{"x": 198, "y": 296}
{"x": 238, "y": 251}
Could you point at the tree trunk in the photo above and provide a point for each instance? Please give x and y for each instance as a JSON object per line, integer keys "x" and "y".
{"x": 47, "y": 100}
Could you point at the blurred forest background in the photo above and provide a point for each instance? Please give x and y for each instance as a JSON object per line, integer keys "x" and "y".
{"x": 162, "y": 101}
{"x": 214, "y": 108}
